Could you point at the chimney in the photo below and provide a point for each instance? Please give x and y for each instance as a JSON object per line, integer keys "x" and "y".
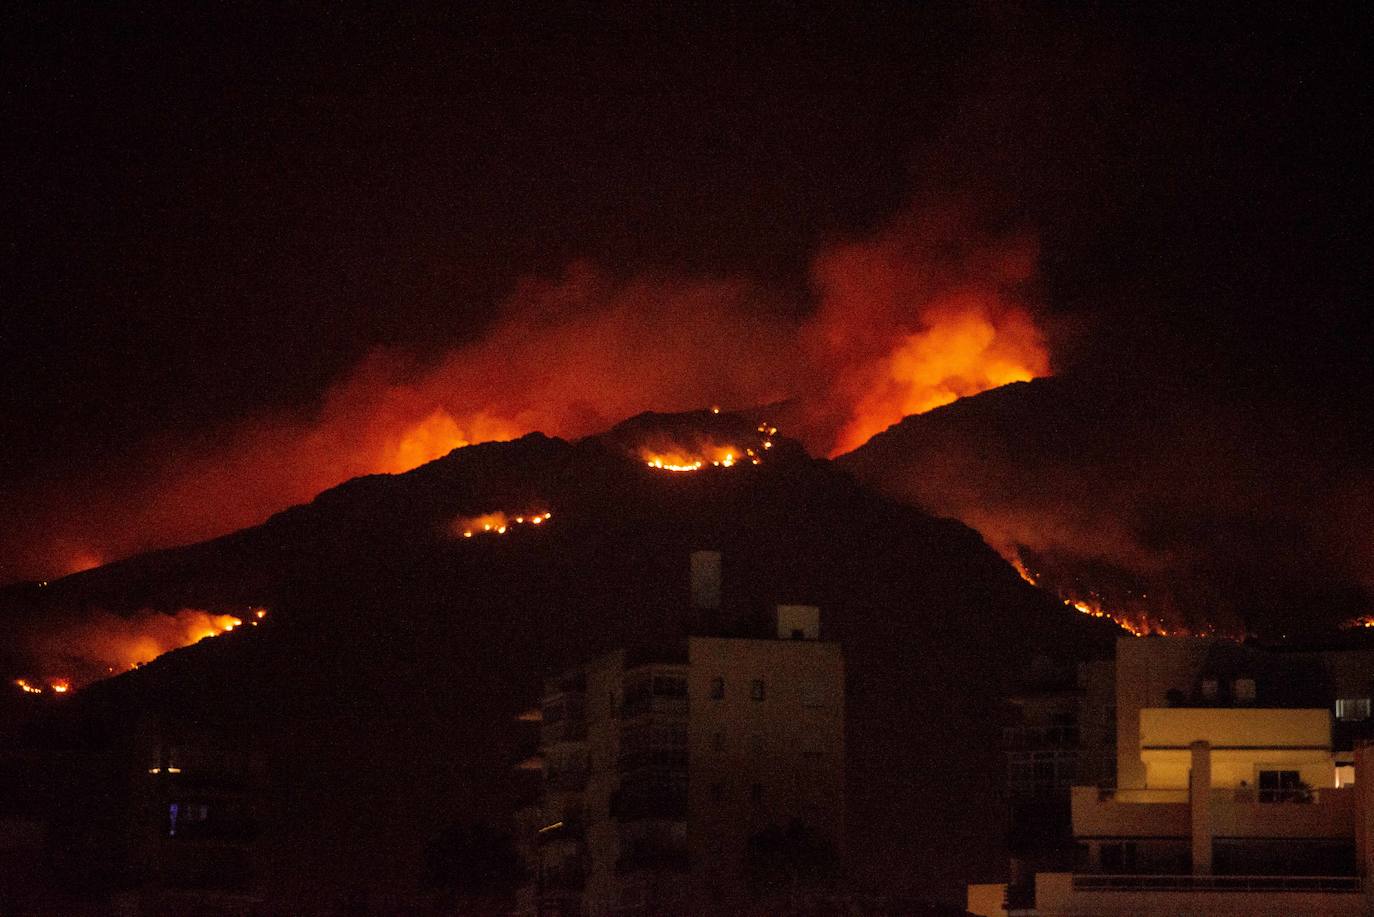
{"x": 705, "y": 580}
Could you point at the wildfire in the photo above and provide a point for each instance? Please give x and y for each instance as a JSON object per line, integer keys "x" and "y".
{"x": 55, "y": 685}
{"x": 1361, "y": 621}
{"x": 103, "y": 644}
{"x": 1138, "y": 625}
{"x": 497, "y": 523}
{"x": 679, "y": 457}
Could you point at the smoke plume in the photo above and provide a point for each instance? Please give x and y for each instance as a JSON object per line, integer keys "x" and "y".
{"x": 926, "y": 310}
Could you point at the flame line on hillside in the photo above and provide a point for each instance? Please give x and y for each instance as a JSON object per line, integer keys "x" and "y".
{"x": 1138, "y": 626}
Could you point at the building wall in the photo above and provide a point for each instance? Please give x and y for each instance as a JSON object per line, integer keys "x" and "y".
{"x": 1244, "y": 742}
{"x": 1146, "y": 670}
{"x": 1055, "y": 897}
{"x": 761, "y": 762}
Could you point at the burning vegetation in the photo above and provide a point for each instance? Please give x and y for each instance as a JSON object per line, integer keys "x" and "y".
{"x": 104, "y": 644}
{"x": 700, "y": 452}
{"x": 1138, "y": 624}
{"x": 497, "y": 523}
{"x": 929, "y": 308}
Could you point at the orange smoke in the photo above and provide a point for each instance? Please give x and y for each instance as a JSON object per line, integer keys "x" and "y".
{"x": 927, "y": 310}
{"x": 74, "y": 653}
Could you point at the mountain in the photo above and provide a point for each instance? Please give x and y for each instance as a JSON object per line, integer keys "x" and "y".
{"x": 1235, "y": 513}
{"x": 385, "y": 684}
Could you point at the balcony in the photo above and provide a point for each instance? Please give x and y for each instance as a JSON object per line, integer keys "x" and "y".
{"x": 653, "y": 856}
{"x": 1129, "y": 813}
{"x": 1029, "y": 738}
{"x": 1321, "y": 813}
{"x": 573, "y": 780}
{"x": 1327, "y": 884}
{"x": 668, "y": 705}
{"x": 652, "y": 799}
{"x": 563, "y": 730}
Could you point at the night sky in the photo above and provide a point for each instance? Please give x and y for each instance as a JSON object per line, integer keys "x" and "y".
{"x": 215, "y": 216}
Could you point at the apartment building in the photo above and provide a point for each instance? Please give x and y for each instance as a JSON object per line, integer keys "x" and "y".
{"x": 1236, "y": 788}
{"x": 661, "y": 763}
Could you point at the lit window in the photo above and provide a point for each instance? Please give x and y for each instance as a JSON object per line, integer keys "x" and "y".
{"x": 1245, "y": 690}
{"x": 756, "y": 689}
{"x": 718, "y": 688}
{"x": 1352, "y": 709}
{"x": 1345, "y": 774}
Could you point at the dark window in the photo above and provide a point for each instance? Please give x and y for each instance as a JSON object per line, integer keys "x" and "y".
{"x": 717, "y": 792}
{"x": 670, "y": 686}
{"x": 718, "y": 688}
{"x": 1281, "y": 786}
{"x": 1119, "y": 858}
{"x": 1244, "y": 690}
{"x": 756, "y": 792}
{"x": 756, "y": 689}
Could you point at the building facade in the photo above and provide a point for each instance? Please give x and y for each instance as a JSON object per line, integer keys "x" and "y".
{"x": 1236, "y": 789}
{"x": 661, "y": 764}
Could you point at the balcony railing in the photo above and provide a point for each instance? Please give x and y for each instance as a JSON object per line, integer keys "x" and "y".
{"x": 1031, "y": 737}
{"x": 566, "y": 730}
{"x": 1333, "y": 884}
{"x": 655, "y": 703}
{"x": 572, "y": 780}
{"x": 654, "y": 856}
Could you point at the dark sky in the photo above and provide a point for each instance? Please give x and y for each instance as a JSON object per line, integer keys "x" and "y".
{"x": 217, "y": 211}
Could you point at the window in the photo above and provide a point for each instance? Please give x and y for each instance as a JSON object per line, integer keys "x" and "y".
{"x": 756, "y": 793}
{"x": 718, "y": 688}
{"x": 1245, "y": 690}
{"x": 756, "y": 689}
{"x": 717, "y": 792}
{"x": 1352, "y": 709}
{"x": 1209, "y": 688}
{"x": 812, "y": 695}
{"x": 1281, "y": 786}
{"x": 670, "y": 686}
{"x": 1345, "y": 773}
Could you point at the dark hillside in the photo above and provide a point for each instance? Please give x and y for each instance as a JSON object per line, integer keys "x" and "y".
{"x": 386, "y": 683}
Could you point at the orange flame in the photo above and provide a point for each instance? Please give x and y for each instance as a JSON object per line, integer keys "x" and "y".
{"x": 103, "y": 644}
{"x": 927, "y": 309}
{"x": 1138, "y": 625}
{"x": 678, "y": 456}
{"x": 497, "y": 523}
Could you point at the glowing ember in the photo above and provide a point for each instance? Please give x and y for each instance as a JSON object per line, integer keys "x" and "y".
{"x": 1361, "y": 621}
{"x": 1138, "y": 625}
{"x": 26, "y": 687}
{"x": 497, "y": 523}
{"x": 676, "y": 456}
